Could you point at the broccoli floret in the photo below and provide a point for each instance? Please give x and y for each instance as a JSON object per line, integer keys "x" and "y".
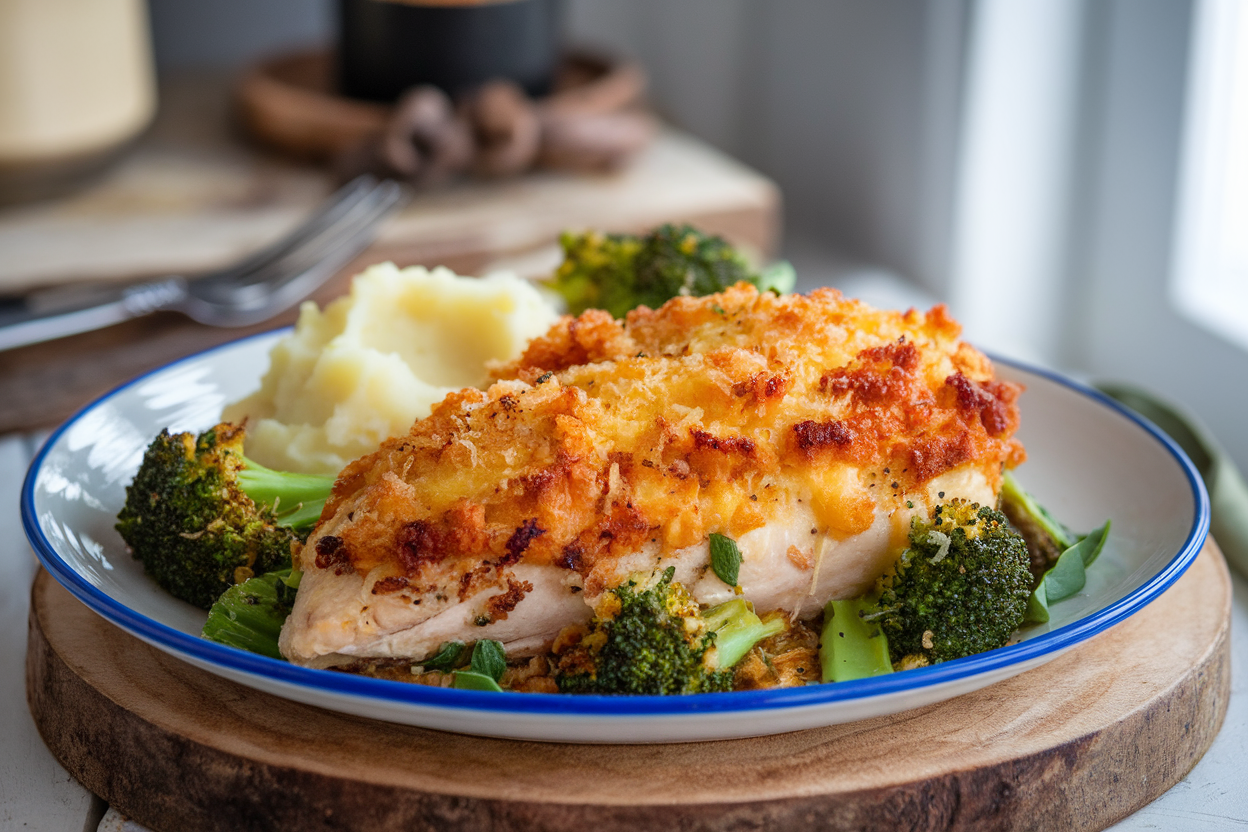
{"x": 618, "y": 272}
{"x": 680, "y": 260}
{"x": 650, "y": 637}
{"x": 597, "y": 272}
{"x": 960, "y": 588}
{"x": 200, "y": 517}
{"x": 643, "y": 640}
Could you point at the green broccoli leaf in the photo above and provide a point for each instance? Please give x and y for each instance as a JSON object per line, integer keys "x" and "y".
{"x": 852, "y": 645}
{"x": 250, "y": 615}
{"x": 472, "y": 680}
{"x": 1068, "y": 575}
{"x": 446, "y": 658}
{"x": 725, "y": 559}
{"x": 1091, "y": 546}
{"x": 489, "y": 659}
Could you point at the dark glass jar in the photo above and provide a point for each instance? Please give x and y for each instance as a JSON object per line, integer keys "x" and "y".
{"x": 387, "y": 46}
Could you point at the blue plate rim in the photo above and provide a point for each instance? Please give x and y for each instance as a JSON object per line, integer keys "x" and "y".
{"x": 595, "y": 706}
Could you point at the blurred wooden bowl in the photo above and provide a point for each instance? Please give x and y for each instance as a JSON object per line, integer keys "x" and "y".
{"x": 290, "y": 104}
{"x": 594, "y": 118}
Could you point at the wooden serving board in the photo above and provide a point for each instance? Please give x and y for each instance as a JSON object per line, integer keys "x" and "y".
{"x": 1075, "y": 744}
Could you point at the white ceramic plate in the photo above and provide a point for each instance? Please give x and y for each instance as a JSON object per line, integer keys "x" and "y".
{"x": 1089, "y": 460}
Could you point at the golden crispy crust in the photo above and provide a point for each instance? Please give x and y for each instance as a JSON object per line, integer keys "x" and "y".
{"x": 708, "y": 415}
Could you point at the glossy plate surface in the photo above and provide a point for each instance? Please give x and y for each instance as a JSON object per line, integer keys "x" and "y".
{"x": 1088, "y": 460}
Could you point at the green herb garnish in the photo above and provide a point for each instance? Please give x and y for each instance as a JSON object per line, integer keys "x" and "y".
{"x": 446, "y": 658}
{"x": 488, "y": 659}
{"x": 725, "y": 559}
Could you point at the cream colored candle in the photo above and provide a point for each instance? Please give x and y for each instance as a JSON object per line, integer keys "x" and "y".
{"x": 76, "y": 78}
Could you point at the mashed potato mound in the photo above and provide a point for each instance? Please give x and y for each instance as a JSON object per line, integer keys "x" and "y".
{"x": 370, "y": 364}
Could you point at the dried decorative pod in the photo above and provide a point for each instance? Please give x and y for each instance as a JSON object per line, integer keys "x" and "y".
{"x": 505, "y": 128}
{"x": 595, "y": 121}
{"x": 424, "y": 140}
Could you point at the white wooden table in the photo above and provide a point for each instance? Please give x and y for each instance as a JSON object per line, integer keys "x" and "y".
{"x": 37, "y": 795}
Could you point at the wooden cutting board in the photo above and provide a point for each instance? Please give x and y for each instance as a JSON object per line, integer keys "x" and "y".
{"x": 1074, "y": 745}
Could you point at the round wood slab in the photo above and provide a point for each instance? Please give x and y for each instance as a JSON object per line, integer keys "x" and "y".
{"x": 1075, "y": 744}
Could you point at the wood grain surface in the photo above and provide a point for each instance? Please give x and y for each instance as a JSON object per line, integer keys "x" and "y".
{"x": 1075, "y": 744}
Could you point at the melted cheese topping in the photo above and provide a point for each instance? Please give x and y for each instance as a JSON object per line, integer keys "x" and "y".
{"x": 730, "y": 413}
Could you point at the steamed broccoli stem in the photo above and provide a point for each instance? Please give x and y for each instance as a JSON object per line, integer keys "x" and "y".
{"x": 779, "y": 277}
{"x": 1015, "y": 502}
{"x": 471, "y": 680}
{"x": 852, "y": 645}
{"x": 250, "y": 615}
{"x": 296, "y": 499}
{"x": 737, "y": 629}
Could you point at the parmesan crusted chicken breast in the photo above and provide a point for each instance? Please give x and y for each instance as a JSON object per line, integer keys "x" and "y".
{"x": 807, "y": 428}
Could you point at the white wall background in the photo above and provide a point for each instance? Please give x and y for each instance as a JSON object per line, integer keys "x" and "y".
{"x": 849, "y": 105}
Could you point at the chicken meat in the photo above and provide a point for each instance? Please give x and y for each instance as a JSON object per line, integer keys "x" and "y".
{"x": 807, "y": 428}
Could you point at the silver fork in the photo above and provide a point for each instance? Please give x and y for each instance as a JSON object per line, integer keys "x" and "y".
{"x": 253, "y": 290}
